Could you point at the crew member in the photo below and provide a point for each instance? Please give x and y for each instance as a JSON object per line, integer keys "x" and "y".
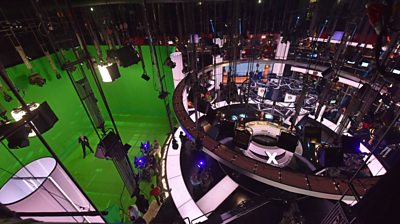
{"x": 84, "y": 141}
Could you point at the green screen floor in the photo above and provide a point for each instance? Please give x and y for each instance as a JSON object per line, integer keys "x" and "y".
{"x": 131, "y": 100}
{"x": 100, "y": 179}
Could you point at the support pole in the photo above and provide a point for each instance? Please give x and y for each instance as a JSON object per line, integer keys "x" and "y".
{"x": 156, "y": 66}
{"x": 25, "y": 107}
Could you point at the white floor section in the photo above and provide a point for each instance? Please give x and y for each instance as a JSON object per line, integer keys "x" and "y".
{"x": 214, "y": 197}
{"x": 179, "y": 193}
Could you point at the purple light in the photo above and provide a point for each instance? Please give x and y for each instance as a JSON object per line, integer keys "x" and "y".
{"x": 145, "y": 146}
{"x": 200, "y": 164}
{"x": 187, "y": 134}
{"x": 337, "y": 35}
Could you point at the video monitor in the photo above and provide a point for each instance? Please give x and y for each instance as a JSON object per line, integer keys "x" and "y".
{"x": 268, "y": 116}
{"x": 395, "y": 71}
{"x": 242, "y": 115}
{"x": 337, "y": 35}
{"x": 364, "y": 64}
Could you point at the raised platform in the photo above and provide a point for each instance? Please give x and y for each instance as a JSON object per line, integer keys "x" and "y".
{"x": 313, "y": 185}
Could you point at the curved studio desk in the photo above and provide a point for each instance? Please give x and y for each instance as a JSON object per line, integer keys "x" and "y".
{"x": 261, "y": 152}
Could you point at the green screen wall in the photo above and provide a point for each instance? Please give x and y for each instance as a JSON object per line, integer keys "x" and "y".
{"x": 134, "y": 102}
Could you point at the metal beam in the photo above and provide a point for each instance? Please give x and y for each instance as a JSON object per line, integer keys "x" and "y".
{"x": 53, "y": 214}
{"x": 79, "y": 3}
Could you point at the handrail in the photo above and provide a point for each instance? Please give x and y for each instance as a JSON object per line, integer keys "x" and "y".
{"x": 317, "y": 186}
{"x": 187, "y": 219}
{"x": 205, "y": 214}
{"x": 164, "y": 157}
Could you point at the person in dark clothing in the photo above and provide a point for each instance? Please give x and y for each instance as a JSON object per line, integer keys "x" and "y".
{"x": 84, "y": 141}
{"x": 142, "y": 203}
{"x": 139, "y": 220}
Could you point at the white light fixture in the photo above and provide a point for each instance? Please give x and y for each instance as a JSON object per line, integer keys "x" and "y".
{"x": 259, "y": 1}
{"x": 91, "y": 9}
{"x": 263, "y": 36}
{"x": 351, "y": 62}
{"x": 105, "y": 74}
{"x": 364, "y": 64}
{"x": 395, "y": 71}
{"x": 18, "y": 114}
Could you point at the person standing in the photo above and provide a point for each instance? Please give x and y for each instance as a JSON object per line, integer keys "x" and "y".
{"x": 156, "y": 149}
{"x": 84, "y": 141}
{"x": 142, "y": 203}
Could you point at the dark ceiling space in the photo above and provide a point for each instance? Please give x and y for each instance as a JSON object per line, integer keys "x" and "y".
{"x": 31, "y": 24}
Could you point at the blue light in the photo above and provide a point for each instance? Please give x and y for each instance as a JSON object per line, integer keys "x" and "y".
{"x": 234, "y": 118}
{"x": 140, "y": 162}
{"x": 242, "y": 115}
{"x": 145, "y": 146}
{"x": 200, "y": 163}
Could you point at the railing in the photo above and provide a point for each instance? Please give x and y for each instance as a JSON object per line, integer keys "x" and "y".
{"x": 336, "y": 215}
{"x": 317, "y": 186}
{"x": 204, "y": 215}
{"x": 188, "y": 220}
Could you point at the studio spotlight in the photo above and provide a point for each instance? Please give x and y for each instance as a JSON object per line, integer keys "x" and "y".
{"x": 37, "y": 79}
{"x": 163, "y": 95}
{"x": 109, "y": 72}
{"x": 18, "y": 113}
{"x": 185, "y": 70}
{"x": 174, "y": 144}
{"x": 42, "y": 116}
{"x": 140, "y": 162}
{"x": 19, "y": 137}
{"x": 145, "y": 147}
{"x": 145, "y": 77}
{"x": 126, "y": 56}
{"x": 200, "y": 164}
{"x": 169, "y": 63}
